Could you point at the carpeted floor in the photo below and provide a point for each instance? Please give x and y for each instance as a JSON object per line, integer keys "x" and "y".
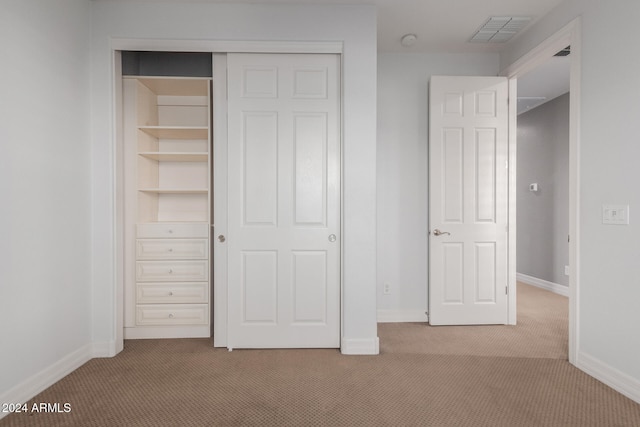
{"x": 424, "y": 376}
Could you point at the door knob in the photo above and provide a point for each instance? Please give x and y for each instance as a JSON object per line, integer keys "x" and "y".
{"x": 221, "y": 238}
{"x": 332, "y": 238}
{"x": 439, "y": 233}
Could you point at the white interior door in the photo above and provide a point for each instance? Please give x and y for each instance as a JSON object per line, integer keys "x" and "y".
{"x": 283, "y": 201}
{"x": 468, "y": 153}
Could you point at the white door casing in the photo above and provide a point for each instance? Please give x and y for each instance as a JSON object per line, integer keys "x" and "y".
{"x": 468, "y": 195}
{"x": 283, "y": 171}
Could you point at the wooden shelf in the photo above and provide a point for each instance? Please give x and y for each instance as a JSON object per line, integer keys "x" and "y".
{"x": 174, "y": 190}
{"x": 183, "y": 86}
{"x": 175, "y": 156}
{"x": 177, "y": 132}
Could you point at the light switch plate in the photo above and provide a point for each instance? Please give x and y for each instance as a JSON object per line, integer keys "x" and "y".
{"x": 615, "y": 214}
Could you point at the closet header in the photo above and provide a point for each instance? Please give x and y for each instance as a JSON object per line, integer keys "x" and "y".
{"x": 176, "y": 64}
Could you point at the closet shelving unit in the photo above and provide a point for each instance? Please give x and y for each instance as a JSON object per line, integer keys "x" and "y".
{"x": 167, "y": 158}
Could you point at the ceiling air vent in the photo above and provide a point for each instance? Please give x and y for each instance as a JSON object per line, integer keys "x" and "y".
{"x": 499, "y": 29}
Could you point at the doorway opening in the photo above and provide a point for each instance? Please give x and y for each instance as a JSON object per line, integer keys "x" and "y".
{"x": 568, "y": 36}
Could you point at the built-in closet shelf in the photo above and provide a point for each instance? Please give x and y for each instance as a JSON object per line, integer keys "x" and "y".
{"x": 176, "y": 132}
{"x": 175, "y": 86}
{"x": 175, "y": 156}
{"x": 167, "y": 184}
{"x": 174, "y": 190}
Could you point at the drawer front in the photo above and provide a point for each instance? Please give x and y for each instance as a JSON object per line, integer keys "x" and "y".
{"x": 172, "y": 314}
{"x": 172, "y": 230}
{"x": 172, "y": 271}
{"x": 172, "y": 293}
{"x": 151, "y": 249}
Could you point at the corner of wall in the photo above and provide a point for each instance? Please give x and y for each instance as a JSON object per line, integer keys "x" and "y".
{"x": 48, "y": 376}
{"x": 360, "y": 346}
{"x": 610, "y": 376}
{"x": 543, "y": 284}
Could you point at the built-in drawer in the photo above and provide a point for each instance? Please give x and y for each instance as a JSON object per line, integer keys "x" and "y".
{"x": 172, "y": 230}
{"x": 172, "y": 293}
{"x": 172, "y": 314}
{"x": 172, "y": 271}
{"x": 156, "y": 249}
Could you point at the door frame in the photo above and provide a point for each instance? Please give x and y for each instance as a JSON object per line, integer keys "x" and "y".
{"x": 569, "y": 35}
{"x": 219, "y": 305}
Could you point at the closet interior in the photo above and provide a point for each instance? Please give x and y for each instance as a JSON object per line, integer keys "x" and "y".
{"x": 167, "y": 135}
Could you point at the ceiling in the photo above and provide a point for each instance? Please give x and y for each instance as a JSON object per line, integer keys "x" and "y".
{"x": 440, "y": 25}
{"x": 447, "y": 26}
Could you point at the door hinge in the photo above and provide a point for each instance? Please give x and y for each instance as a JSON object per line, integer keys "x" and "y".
{"x": 506, "y": 290}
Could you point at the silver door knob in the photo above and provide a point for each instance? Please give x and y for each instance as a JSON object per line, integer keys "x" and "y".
{"x": 221, "y": 238}
{"x": 332, "y": 238}
{"x": 439, "y": 233}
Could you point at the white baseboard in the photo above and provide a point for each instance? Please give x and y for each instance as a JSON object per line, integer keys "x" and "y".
{"x": 103, "y": 349}
{"x": 47, "y": 377}
{"x": 399, "y": 316}
{"x": 156, "y": 332}
{"x": 619, "y": 381}
{"x": 366, "y": 346}
{"x": 543, "y": 284}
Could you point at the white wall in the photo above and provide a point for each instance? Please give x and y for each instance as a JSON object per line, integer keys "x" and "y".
{"x": 403, "y": 81}
{"x": 609, "y": 272}
{"x": 45, "y": 173}
{"x": 354, "y": 25}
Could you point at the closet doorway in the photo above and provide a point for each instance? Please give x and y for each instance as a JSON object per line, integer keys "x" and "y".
{"x": 188, "y": 271}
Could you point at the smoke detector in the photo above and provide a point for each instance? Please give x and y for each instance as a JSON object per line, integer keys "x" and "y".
{"x": 408, "y": 40}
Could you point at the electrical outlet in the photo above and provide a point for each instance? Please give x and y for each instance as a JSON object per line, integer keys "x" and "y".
{"x": 566, "y": 270}
{"x": 387, "y": 288}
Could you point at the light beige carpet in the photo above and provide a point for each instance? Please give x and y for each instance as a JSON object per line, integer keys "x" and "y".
{"x": 428, "y": 380}
{"x": 541, "y": 332}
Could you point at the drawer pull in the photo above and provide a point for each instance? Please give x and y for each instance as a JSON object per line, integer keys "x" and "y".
{"x": 170, "y": 293}
{"x": 170, "y": 316}
{"x": 170, "y": 249}
{"x": 170, "y": 271}
{"x": 170, "y": 231}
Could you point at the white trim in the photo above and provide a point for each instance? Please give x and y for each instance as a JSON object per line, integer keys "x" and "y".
{"x": 227, "y": 46}
{"x": 117, "y": 152}
{"x": 400, "y": 316}
{"x": 512, "y": 302}
{"x": 612, "y": 377}
{"x": 574, "y": 190}
{"x": 156, "y": 332}
{"x": 543, "y": 284}
{"x": 47, "y": 377}
{"x": 570, "y": 34}
{"x": 104, "y": 349}
{"x": 360, "y": 346}
{"x": 219, "y": 199}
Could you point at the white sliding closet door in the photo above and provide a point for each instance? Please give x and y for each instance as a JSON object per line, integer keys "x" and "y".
{"x": 283, "y": 235}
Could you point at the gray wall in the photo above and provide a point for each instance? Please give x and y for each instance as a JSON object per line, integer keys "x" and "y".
{"x": 543, "y": 216}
